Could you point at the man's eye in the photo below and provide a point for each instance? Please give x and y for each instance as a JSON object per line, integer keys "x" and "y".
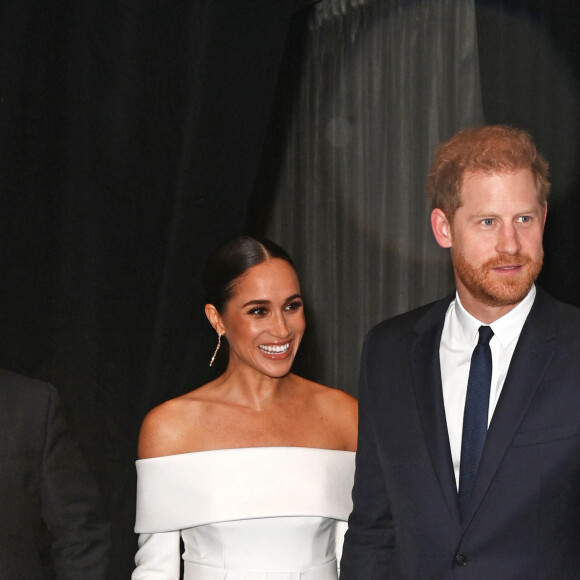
{"x": 487, "y": 222}
{"x": 525, "y": 219}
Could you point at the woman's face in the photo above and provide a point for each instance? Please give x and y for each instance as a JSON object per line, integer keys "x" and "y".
{"x": 264, "y": 320}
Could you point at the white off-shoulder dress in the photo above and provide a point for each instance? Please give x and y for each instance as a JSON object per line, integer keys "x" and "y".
{"x": 265, "y": 513}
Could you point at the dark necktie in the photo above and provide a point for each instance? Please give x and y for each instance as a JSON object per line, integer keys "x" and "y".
{"x": 475, "y": 415}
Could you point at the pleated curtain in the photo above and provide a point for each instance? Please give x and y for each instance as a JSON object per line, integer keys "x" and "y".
{"x": 382, "y": 82}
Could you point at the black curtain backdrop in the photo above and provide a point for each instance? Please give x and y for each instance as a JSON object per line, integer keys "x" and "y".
{"x": 130, "y": 142}
{"x": 530, "y": 77}
{"x": 130, "y": 137}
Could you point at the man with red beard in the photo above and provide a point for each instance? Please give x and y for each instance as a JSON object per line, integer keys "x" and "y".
{"x": 468, "y": 461}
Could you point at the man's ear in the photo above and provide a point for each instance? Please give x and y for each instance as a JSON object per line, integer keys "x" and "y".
{"x": 545, "y": 212}
{"x": 441, "y": 228}
{"x": 214, "y": 318}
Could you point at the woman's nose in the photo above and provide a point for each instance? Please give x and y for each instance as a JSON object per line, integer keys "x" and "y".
{"x": 280, "y": 326}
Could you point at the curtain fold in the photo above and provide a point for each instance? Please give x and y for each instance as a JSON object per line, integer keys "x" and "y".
{"x": 382, "y": 83}
{"x": 130, "y": 138}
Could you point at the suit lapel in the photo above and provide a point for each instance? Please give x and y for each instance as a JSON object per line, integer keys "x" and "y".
{"x": 426, "y": 373}
{"x": 533, "y": 353}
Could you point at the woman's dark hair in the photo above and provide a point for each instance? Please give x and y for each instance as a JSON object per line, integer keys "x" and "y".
{"x": 230, "y": 262}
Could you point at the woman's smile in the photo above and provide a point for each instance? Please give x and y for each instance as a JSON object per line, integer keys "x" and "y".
{"x": 275, "y": 349}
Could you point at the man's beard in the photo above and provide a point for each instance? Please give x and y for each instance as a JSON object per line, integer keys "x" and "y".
{"x": 491, "y": 289}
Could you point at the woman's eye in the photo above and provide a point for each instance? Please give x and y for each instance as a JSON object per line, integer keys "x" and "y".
{"x": 258, "y": 311}
{"x": 296, "y": 305}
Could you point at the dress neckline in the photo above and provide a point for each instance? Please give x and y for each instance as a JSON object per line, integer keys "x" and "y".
{"x": 249, "y": 449}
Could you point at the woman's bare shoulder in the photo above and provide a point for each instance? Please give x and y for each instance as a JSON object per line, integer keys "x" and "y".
{"x": 341, "y": 403}
{"x": 168, "y": 428}
{"x": 331, "y": 395}
{"x": 339, "y": 408}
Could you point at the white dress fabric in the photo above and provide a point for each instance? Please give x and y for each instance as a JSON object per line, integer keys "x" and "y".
{"x": 264, "y": 513}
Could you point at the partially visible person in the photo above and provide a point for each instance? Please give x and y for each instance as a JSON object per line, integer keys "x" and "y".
{"x": 254, "y": 470}
{"x": 468, "y": 464}
{"x": 50, "y": 507}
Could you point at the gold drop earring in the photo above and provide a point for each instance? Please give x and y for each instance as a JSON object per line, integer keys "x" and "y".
{"x": 216, "y": 349}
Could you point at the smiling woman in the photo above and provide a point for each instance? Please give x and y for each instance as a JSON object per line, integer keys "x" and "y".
{"x": 264, "y": 318}
{"x": 254, "y": 470}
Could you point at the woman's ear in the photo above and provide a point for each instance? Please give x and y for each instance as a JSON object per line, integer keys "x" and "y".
{"x": 441, "y": 228}
{"x": 214, "y": 318}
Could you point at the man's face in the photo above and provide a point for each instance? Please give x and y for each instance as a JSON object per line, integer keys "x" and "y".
{"x": 496, "y": 241}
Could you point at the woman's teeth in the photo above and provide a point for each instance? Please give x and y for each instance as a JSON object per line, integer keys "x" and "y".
{"x": 275, "y": 349}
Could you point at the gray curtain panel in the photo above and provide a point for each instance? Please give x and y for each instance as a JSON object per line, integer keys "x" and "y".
{"x": 382, "y": 83}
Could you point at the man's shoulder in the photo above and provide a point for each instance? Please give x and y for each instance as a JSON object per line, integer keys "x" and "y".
{"x": 15, "y": 386}
{"x": 407, "y": 322}
{"x": 565, "y": 314}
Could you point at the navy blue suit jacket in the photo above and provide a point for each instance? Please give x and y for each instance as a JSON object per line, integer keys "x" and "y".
{"x": 523, "y": 521}
{"x": 50, "y": 510}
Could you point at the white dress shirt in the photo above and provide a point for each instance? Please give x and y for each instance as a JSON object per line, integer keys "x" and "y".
{"x": 460, "y": 335}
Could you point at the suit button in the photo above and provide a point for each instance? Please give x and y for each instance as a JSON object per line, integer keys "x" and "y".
{"x": 461, "y": 560}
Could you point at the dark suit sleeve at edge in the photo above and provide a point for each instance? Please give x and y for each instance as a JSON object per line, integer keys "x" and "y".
{"x": 71, "y": 504}
{"x": 369, "y": 540}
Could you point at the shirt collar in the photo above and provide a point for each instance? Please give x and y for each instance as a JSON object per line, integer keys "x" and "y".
{"x": 505, "y": 329}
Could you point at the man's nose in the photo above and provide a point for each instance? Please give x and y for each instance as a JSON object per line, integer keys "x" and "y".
{"x": 508, "y": 242}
